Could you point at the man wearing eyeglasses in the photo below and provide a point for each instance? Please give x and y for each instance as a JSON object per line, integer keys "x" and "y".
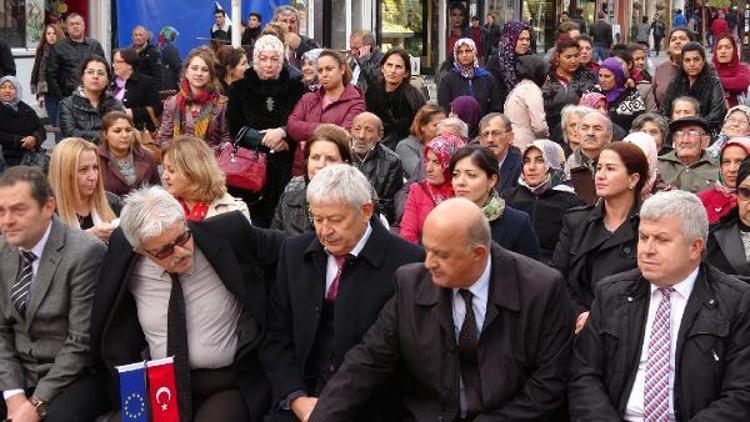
{"x": 496, "y": 133}
{"x": 195, "y": 291}
{"x": 689, "y": 167}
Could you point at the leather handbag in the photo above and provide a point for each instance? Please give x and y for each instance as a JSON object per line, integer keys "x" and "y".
{"x": 148, "y": 139}
{"x": 244, "y": 168}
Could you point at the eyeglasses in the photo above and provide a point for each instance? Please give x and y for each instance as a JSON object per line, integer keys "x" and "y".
{"x": 168, "y": 250}
{"x": 692, "y": 134}
{"x": 493, "y": 133}
{"x": 743, "y": 193}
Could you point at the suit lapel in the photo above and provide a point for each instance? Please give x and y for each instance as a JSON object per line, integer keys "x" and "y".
{"x": 319, "y": 259}
{"x": 439, "y": 303}
{"x": 730, "y": 243}
{"x": 9, "y": 272}
{"x": 48, "y": 263}
{"x": 222, "y": 260}
{"x": 503, "y": 290}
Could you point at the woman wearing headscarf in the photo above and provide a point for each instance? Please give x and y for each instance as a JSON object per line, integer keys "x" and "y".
{"x": 525, "y": 104}
{"x": 424, "y": 195}
{"x": 543, "y": 193}
{"x": 648, "y": 145}
{"x": 595, "y": 100}
{"x": 170, "y": 58}
{"x": 624, "y": 103}
{"x": 734, "y": 75}
{"x": 20, "y": 130}
{"x": 467, "y": 78}
{"x": 468, "y": 110}
{"x": 262, "y": 101}
{"x": 736, "y": 123}
{"x": 728, "y": 246}
{"x": 514, "y": 44}
{"x": 721, "y": 199}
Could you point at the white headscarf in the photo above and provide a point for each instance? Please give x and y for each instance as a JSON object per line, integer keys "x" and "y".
{"x": 19, "y": 92}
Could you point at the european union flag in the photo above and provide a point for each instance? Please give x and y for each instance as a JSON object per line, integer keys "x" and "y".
{"x": 133, "y": 404}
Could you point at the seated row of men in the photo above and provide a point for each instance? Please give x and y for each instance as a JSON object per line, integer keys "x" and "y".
{"x": 267, "y": 326}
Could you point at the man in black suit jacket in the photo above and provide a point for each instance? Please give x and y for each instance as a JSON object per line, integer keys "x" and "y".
{"x": 315, "y": 317}
{"x": 496, "y": 133}
{"x": 504, "y": 357}
{"x": 669, "y": 340}
{"x": 221, "y": 265}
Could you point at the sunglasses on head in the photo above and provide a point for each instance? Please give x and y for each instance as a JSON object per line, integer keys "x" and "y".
{"x": 168, "y": 250}
{"x": 743, "y": 193}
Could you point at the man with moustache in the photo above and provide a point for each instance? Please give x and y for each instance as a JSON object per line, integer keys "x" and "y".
{"x": 595, "y": 132}
{"x": 496, "y": 133}
{"x": 67, "y": 55}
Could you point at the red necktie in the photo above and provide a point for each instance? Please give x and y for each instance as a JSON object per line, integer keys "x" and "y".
{"x": 333, "y": 291}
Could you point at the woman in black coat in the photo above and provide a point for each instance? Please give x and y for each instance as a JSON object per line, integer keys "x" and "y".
{"x": 467, "y": 78}
{"x": 728, "y": 245}
{"x": 263, "y": 101}
{"x": 138, "y": 92}
{"x": 600, "y": 240}
{"x": 20, "y": 128}
{"x": 393, "y": 98}
{"x": 542, "y": 194}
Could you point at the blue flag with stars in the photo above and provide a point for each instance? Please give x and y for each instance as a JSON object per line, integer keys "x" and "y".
{"x": 133, "y": 396}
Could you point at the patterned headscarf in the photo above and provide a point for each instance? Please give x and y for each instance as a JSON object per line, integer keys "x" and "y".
{"x": 554, "y": 158}
{"x": 465, "y": 71}
{"x": 646, "y": 143}
{"x": 614, "y": 66}
{"x": 168, "y": 34}
{"x": 268, "y": 43}
{"x": 507, "y": 56}
{"x": 19, "y": 92}
{"x": 444, "y": 147}
{"x": 591, "y": 99}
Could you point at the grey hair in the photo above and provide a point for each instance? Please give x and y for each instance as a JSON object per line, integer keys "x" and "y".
{"x": 682, "y": 204}
{"x": 453, "y": 122}
{"x": 654, "y": 118}
{"x": 609, "y": 125}
{"x": 368, "y": 38}
{"x": 371, "y": 116}
{"x": 495, "y": 115}
{"x": 285, "y": 10}
{"x": 340, "y": 183}
{"x": 148, "y": 211}
{"x": 687, "y": 99}
{"x": 479, "y": 233}
{"x": 569, "y": 110}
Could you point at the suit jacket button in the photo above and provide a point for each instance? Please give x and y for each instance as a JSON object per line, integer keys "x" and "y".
{"x": 626, "y": 249}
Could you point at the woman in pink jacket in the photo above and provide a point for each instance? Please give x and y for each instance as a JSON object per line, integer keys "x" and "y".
{"x": 434, "y": 189}
{"x": 525, "y": 104}
{"x": 337, "y": 102}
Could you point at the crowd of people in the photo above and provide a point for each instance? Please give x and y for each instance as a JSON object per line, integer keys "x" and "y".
{"x": 551, "y": 238}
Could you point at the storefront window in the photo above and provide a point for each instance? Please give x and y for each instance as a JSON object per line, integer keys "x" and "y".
{"x": 302, "y": 7}
{"x": 21, "y": 22}
{"x": 541, "y": 16}
{"x": 409, "y": 24}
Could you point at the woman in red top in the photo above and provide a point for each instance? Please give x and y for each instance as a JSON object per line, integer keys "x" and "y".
{"x": 434, "y": 189}
{"x": 734, "y": 76}
{"x": 337, "y": 102}
{"x": 721, "y": 199}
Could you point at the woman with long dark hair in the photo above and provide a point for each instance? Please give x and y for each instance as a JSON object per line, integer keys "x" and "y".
{"x": 52, "y": 33}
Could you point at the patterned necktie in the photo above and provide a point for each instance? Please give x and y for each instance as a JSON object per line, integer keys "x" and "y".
{"x": 656, "y": 391}
{"x": 333, "y": 291}
{"x": 467, "y": 352}
{"x": 177, "y": 346}
{"x": 19, "y": 292}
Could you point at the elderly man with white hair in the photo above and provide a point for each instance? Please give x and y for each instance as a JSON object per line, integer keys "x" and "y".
{"x": 595, "y": 131}
{"x": 192, "y": 290}
{"x": 330, "y": 287}
{"x": 669, "y": 340}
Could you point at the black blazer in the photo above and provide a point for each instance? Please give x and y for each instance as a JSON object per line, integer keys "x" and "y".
{"x": 142, "y": 91}
{"x": 510, "y": 171}
{"x": 524, "y": 347}
{"x": 725, "y": 250}
{"x": 712, "y": 382}
{"x": 514, "y": 232}
{"x": 240, "y": 254}
{"x": 297, "y": 297}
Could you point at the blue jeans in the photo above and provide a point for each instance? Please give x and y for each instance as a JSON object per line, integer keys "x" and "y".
{"x": 52, "y": 105}
{"x": 600, "y": 53}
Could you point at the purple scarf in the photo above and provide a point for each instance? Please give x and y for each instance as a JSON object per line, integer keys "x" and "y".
{"x": 614, "y": 66}
{"x": 467, "y": 108}
{"x": 119, "y": 88}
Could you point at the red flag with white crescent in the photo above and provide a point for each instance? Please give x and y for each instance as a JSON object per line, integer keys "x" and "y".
{"x": 162, "y": 390}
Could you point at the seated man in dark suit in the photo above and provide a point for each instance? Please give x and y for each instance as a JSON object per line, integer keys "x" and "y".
{"x": 496, "y": 133}
{"x": 195, "y": 291}
{"x": 483, "y": 333}
{"x": 47, "y": 276}
{"x": 669, "y": 340}
{"x": 331, "y": 286}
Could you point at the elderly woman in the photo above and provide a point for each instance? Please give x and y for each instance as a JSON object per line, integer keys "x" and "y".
{"x": 543, "y": 194}
{"x": 138, "y": 93}
{"x": 656, "y": 126}
{"x": 566, "y": 134}
{"x": 125, "y": 165}
{"x": 198, "y": 107}
{"x": 736, "y": 123}
{"x": 728, "y": 247}
{"x": 329, "y": 145}
{"x": 467, "y": 78}
{"x": 525, "y": 104}
{"x": 263, "y": 101}
{"x": 733, "y": 74}
{"x": 76, "y": 180}
{"x": 435, "y": 188}
{"x": 721, "y": 199}
{"x": 515, "y": 42}
{"x": 624, "y": 103}
{"x": 81, "y": 113}
{"x": 310, "y": 69}
{"x": 20, "y": 130}
{"x": 423, "y": 129}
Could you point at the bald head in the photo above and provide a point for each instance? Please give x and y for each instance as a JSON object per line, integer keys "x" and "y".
{"x": 367, "y": 129}
{"x": 456, "y": 238}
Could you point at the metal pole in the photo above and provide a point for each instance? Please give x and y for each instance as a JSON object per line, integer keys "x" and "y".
{"x": 236, "y": 23}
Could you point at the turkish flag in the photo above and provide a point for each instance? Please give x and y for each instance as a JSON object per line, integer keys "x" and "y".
{"x": 162, "y": 390}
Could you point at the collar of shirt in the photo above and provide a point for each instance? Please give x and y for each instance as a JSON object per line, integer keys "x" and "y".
{"x": 480, "y": 291}
{"x": 38, "y": 249}
{"x": 683, "y": 288}
{"x": 360, "y": 245}
{"x": 481, "y": 288}
{"x": 500, "y": 161}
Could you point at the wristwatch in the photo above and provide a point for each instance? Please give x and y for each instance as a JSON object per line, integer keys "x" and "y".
{"x": 40, "y": 406}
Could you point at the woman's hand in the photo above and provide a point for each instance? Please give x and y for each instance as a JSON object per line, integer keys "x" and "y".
{"x": 28, "y": 143}
{"x": 581, "y": 321}
{"x": 272, "y": 138}
{"x": 102, "y": 231}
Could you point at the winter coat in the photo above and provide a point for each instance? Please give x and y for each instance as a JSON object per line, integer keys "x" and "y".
{"x": 369, "y": 69}
{"x": 546, "y": 212}
{"x": 483, "y": 88}
{"x": 514, "y": 232}
{"x": 556, "y": 95}
{"x": 218, "y": 129}
{"x": 291, "y": 213}
{"x": 39, "y": 84}
{"x": 171, "y": 67}
{"x": 150, "y": 64}
{"x": 396, "y": 109}
{"x": 382, "y": 167}
{"x": 80, "y": 119}
{"x": 717, "y": 204}
{"x": 737, "y": 84}
{"x": 146, "y": 171}
{"x": 142, "y": 92}
{"x": 625, "y": 109}
{"x": 419, "y": 203}
{"x": 725, "y": 249}
{"x": 664, "y": 74}
{"x": 525, "y": 109}
{"x": 695, "y": 178}
{"x": 64, "y": 63}
{"x": 16, "y": 125}
{"x": 706, "y": 89}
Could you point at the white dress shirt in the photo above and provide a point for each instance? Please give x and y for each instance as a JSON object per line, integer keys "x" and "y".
{"x": 332, "y": 269}
{"x": 678, "y": 300}
{"x": 37, "y": 250}
{"x": 480, "y": 291}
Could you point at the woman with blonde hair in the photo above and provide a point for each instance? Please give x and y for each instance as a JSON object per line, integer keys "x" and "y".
{"x": 193, "y": 177}
{"x": 75, "y": 177}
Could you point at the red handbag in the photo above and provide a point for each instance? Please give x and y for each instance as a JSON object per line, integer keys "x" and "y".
{"x": 244, "y": 168}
